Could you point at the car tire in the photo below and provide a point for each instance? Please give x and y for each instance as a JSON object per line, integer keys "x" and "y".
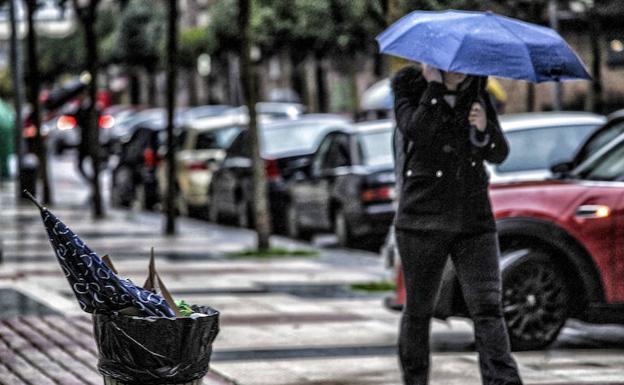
{"x": 342, "y": 230}
{"x": 243, "y": 215}
{"x": 122, "y": 191}
{"x": 214, "y": 214}
{"x": 293, "y": 227}
{"x": 535, "y": 301}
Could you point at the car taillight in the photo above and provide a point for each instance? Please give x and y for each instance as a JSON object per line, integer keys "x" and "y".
{"x": 386, "y": 193}
{"x": 150, "y": 158}
{"x": 66, "y": 122}
{"x": 272, "y": 169}
{"x": 197, "y": 166}
{"x": 30, "y": 131}
{"x": 106, "y": 121}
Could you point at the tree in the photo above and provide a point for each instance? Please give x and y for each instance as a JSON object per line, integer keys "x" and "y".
{"x": 262, "y": 215}
{"x": 87, "y": 15}
{"x": 34, "y": 83}
{"x": 193, "y": 43}
{"x": 172, "y": 54}
{"x": 139, "y": 44}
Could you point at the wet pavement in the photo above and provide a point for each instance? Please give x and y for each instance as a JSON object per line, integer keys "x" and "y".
{"x": 292, "y": 320}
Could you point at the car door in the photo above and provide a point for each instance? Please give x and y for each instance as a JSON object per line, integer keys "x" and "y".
{"x": 305, "y": 190}
{"x": 227, "y": 180}
{"x": 603, "y": 209}
{"x": 334, "y": 162}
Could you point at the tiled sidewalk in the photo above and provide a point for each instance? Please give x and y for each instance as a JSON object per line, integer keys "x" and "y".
{"x": 54, "y": 350}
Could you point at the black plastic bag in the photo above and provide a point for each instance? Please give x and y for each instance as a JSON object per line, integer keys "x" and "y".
{"x": 155, "y": 350}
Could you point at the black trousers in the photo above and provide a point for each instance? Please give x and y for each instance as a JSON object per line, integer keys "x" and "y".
{"x": 476, "y": 261}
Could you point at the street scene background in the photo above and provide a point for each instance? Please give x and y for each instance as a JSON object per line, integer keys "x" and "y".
{"x": 277, "y": 207}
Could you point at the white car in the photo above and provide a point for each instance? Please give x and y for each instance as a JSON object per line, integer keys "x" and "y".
{"x": 539, "y": 140}
{"x": 202, "y": 144}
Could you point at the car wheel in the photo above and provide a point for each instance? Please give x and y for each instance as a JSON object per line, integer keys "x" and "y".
{"x": 293, "y": 228}
{"x": 342, "y": 230}
{"x": 243, "y": 215}
{"x": 181, "y": 206}
{"x": 535, "y": 299}
{"x": 214, "y": 215}
{"x": 122, "y": 191}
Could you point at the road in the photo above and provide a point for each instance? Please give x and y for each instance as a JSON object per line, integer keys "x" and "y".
{"x": 285, "y": 321}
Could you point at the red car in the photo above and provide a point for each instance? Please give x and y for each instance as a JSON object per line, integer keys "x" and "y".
{"x": 562, "y": 247}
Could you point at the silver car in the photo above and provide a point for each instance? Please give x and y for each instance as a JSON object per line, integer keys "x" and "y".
{"x": 539, "y": 140}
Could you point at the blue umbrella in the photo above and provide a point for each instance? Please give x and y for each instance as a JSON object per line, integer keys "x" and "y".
{"x": 97, "y": 288}
{"x": 482, "y": 43}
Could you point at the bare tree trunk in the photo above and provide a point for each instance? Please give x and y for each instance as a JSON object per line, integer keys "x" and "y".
{"x": 321, "y": 88}
{"x": 530, "y": 97}
{"x": 151, "y": 88}
{"x": 34, "y": 85}
{"x": 298, "y": 80}
{"x": 355, "y": 99}
{"x": 87, "y": 17}
{"x": 262, "y": 216}
{"x": 16, "y": 73}
{"x": 172, "y": 48}
{"x": 191, "y": 87}
{"x": 593, "y": 102}
{"x": 135, "y": 86}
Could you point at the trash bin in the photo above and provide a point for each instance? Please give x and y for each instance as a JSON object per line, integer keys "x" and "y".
{"x": 155, "y": 350}
{"x": 28, "y": 174}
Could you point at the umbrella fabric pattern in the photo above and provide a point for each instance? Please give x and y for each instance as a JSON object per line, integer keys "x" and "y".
{"x": 483, "y": 43}
{"x": 97, "y": 288}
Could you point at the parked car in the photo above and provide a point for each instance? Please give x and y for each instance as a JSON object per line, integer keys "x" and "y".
{"x": 600, "y": 137}
{"x": 123, "y": 129}
{"x": 347, "y": 187}
{"x": 201, "y": 112}
{"x": 134, "y": 175}
{"x": 539, "y": 140}
{"x": 283, "y": 144}
{"x": 562, "y": 251}
{"x": 202, "y": 144}
{"x": 273, "y": 110}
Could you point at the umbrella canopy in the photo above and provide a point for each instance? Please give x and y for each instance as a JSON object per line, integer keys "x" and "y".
{"x": 482, "y": 43}
{"x": 97, "y": 288}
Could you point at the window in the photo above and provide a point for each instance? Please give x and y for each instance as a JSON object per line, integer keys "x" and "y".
{"x": 540, "y": 148}
{"x": 338, "y": 154}
{"x": 216, "y": 139}
{"x": 601, "y": 139}
{"x": 321, "y": 154}
{"x": 376, "y": 148}
{"x": 609, "y": 167}
{"x": 303, "y": 137}
{"x": 238, "y": 148}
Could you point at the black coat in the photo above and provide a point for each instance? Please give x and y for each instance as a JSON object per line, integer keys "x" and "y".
{"x": 444, "y": 183}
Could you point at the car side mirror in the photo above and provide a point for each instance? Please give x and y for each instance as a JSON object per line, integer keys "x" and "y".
{"x": 561, "y": 168}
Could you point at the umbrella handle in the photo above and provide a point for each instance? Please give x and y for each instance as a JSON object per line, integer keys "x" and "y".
{"x": 32, "y": 199}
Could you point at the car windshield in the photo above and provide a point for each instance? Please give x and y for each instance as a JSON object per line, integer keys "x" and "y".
{"x": 203, "y": 112}
{"x": 601, "y": 139}
{"x": 376, "y": 148}
{"x": 216, "y": 139}
{"x": 302, "y": 137}
{"x": 608, "y": 167}
{"x": 539, "y": 148}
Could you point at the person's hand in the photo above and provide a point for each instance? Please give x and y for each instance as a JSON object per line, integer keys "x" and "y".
{"x": 477, "y": 116}
{"x": 431, "y": 74}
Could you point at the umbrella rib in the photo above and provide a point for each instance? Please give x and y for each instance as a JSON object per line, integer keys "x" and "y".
{"x": 458, "y": 50}
{"x": 523, "y": 45}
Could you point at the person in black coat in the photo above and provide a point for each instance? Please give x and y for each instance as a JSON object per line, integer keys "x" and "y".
{"x": 449, "y": 127}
